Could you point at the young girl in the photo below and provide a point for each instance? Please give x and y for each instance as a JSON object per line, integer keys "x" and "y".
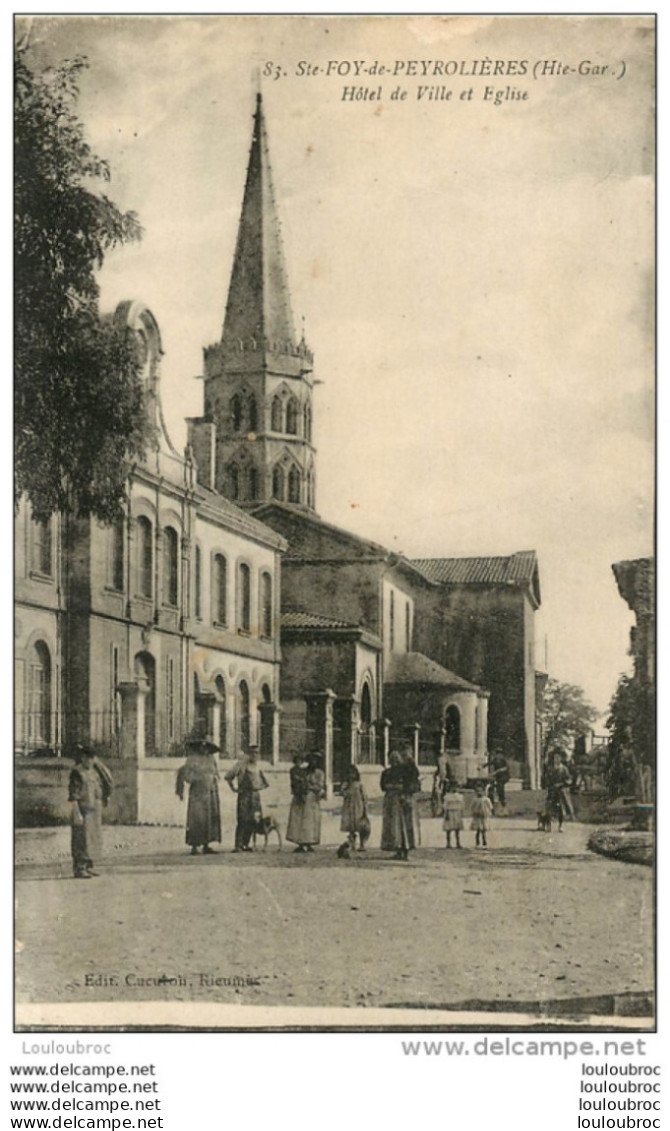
{"x": 355, "y": 809}
{"x": 453, "y": 813}
{"x": 480, "y": 812}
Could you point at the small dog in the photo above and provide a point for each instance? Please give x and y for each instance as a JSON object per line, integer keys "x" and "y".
{"x": 344, "y": 851}
{"x": 544, "y": 821}
{"x": 263, "y": 827}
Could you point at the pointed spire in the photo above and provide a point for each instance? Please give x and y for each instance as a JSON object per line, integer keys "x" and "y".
{"x": 259, "y": 306}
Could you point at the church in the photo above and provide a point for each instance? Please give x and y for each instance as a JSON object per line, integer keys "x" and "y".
{"x": 224, "y": 604}
{"x": 437, "y": 653}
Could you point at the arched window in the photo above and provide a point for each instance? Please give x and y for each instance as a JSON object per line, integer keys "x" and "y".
{"x": 277, "y": 415}
{"x": 294, "y": 485}
{"x": 278, "y": 483}
{"x": 252, "y": 414}
{"x": 39, "y": 695}
{"x": 145, "y": 557}
{"x": 266, "y": 735}
{"x": 252, "y": 483}
{"x": 292, "y": 417}
{"x": 310, "y": 488}
{"x": 244, "y": 717}
{"x": 219, "y": 589}
{"x": 197, "y": 584}
{"x": 145, "y": 670}
{"x": 236, "y": 412}
{"x": 244, "y": 596}
{"x": 233, "y": 481}
{"x": 117, "y": 534}
{"x": 221, "y": 738}
{"x": 266, "y": 605}
{"x": 308, "y": 422}
{"x": 40, "y": 548}
{"x": 170, "y": 565}
{"x": 452, "y": 723}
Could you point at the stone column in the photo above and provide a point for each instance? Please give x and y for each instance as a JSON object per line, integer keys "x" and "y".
{"x": 270, "y": 727}
{"x": 383, "y": 740}
{"x": 320, "y": 721}
{"x": 131, "y": 738}
{"x": 481, "y": 749}
{"x": 413, "y": 732}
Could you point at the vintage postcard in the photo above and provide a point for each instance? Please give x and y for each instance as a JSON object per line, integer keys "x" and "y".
{"x": 334, "y": 551}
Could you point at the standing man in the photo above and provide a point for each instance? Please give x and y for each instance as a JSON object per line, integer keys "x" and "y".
{"x": 89, "y": 788}
{"x": 203, "y": 816}
{"x": 246, "y": 779}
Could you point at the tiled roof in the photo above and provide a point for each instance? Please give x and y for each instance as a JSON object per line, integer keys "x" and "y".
{"x": 295, "y": 619}
{"x": 515, "y": 568}
{"x": 414, "y": 667}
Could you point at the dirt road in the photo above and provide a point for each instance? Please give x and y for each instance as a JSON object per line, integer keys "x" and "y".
{"x": 532, "y": 918}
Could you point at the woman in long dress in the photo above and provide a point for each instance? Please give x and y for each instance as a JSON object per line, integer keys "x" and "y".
{"x": 89, "y": 788}
{"x": 395, "y": 833}
{"x": 308, "y": 787}
{"x": 203, "y": 816}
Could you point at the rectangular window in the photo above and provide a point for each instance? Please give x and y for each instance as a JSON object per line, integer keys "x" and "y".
{"x": 40, "y": 548}
{"x": 115, "y": 699}
{"x": 198, "y": 583}
{"x": 392, "y": 621}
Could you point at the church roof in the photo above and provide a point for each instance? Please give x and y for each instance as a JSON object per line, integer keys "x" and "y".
{"x": 259, "y": 306}
{"x": 414, "y": 667}
{"x": 312, "y": 539}
{"x": 516, "y": 569}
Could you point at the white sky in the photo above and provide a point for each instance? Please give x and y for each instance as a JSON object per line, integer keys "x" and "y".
{"x": 476, "y": 281}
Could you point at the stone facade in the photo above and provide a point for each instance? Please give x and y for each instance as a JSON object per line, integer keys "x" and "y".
{"x": 165, "y": 624}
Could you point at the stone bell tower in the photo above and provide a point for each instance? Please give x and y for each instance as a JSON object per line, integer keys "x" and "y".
{"x": 254, "y": 442}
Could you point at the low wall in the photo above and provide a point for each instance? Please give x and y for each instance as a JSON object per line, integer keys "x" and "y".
{"x": 41, "y": 792}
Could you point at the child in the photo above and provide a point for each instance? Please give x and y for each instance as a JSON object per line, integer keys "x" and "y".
{"x": 355, "y": 809}
{"x": 453, "y": 813}
{"x": 480, "y": 813}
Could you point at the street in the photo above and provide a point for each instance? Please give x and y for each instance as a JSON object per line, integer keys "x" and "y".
{"x": 533, "y": 918}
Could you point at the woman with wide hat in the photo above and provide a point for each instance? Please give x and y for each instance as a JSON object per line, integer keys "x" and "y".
{"x": 203, "y": 816}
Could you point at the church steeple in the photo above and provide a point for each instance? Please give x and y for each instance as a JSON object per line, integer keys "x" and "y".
{"x": 254, "y": 443}
{"x": 259, "y": 305}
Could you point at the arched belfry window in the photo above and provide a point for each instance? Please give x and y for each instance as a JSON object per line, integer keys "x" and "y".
{"x": 292, "y": 412}
{"x": 308, "y": 422}
{"x": 252, "y": 414}
{"x": 233, "y": 476}
{"x": 278, "y": 483}
{"x": 294, "y": 485}
{"x": 236, "y": 412}
{"x": 452, "y": 723}
{"x": 170, "y": 565}
{"x": 277, "y": 415}
{"x": 145, "y": 557}
{"x": 252, "y": 482}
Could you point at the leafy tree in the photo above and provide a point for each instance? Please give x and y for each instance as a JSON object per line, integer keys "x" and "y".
{"x": 565, "y": 714}
{"x": 79, "y": 406}
{"x": 631, "y": 750}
